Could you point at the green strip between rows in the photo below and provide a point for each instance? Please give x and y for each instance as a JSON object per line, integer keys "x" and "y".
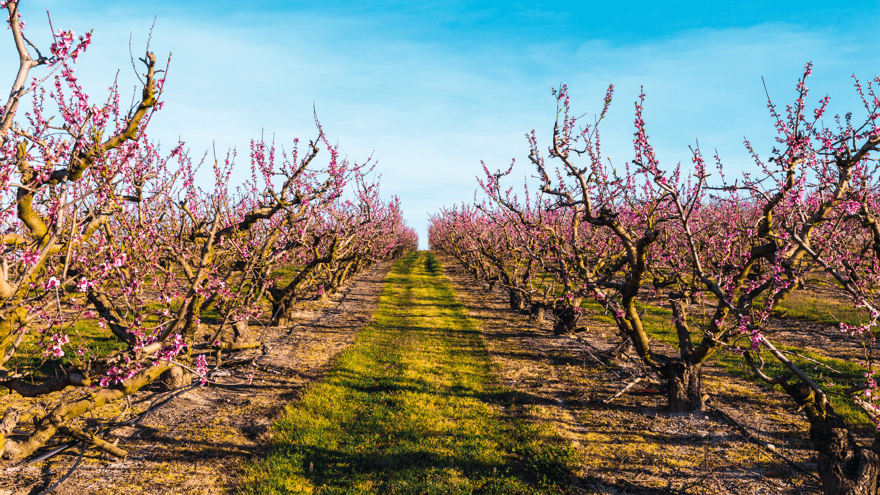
{"x": 411, "y": 408}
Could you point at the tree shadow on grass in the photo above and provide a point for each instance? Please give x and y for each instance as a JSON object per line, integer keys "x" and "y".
{"x": 431, "y": 264}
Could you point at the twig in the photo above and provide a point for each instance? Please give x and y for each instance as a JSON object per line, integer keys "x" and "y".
{"x": 763, "y": 444}
{"x": 175, "y": 393}
{"x": 624, "y": 390}
{"x": 69, "y": 472}
{"x": 586, "y": 350}
{"x": 52, "y": 453}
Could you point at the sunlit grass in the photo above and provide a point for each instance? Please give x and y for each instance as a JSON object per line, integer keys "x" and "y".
{"x": 286, "y": 273}
{"x": 801, "y": 305}
{"x": 411, "y": 408}
{"x": 83, "y": 333}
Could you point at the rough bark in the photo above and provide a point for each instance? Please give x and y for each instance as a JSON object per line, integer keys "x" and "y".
{"x": 48, "y": 425}
{"x": 538, "y": 312}
{"x": 844, "y": 467}
{"x": 281, "y": 311}
{"x": 685, "y": 390}
{"x": 177, "y": 377}
{"x": 241, "y": 333}
{"x": 566, "y": 321}
{"x": 517, "y": 302}
{"x": 9, "y": 422}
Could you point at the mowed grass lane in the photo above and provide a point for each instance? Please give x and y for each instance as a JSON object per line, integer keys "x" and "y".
{"x": 411, "y": 408}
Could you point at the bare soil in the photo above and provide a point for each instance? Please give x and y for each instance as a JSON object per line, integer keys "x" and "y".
{"x": 632, "y": 444}
{"x": 199, "y": 441}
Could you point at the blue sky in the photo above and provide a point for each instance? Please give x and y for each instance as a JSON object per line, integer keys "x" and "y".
{"x": 429, "y": 89}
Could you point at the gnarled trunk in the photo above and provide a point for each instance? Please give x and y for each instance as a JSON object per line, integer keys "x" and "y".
{"x": 241, "y": 333}
{"x": 177, "y": 377}
{"x": 566, "y": 321}
{"x": 537, "y": 312}
{"x": 517, "y": 302}
{"x": 685, "y": 391}
{"x": 281, "y": 311}
{"x": 844, "y": 467}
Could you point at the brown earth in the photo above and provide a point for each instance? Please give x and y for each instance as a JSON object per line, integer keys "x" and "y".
{"x": 629, "y": 445}
{"x": 632, "y": 445}
{"x": 198, "y": 442}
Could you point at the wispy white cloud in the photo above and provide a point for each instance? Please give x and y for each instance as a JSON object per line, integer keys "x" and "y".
{"x": 429, "y": 106}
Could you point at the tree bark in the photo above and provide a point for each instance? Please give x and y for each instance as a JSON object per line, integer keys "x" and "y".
{"x": 844, "y": 467}
{"x": 177, "y": 377}
{"x": 685, "y": 390}
{"x": 517, "y": 302}
{"x": 281, "y": 312}
{"x": 45, "y": 427}
{"x": 538, "y": 312}
{"x": 566, "y": 321}
{"x": 241, "y": 333}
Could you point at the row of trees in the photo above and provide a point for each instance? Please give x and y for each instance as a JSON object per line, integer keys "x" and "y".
{"x": 100, "y": 226}
{"x": 721, "y": 254}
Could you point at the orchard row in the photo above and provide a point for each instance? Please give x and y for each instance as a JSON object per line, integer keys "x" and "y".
{"x": 118, "y": 269}
{"x": 719, "y": 252}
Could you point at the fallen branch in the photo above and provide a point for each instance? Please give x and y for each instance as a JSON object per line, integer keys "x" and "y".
{"x": 229, "y": 346}
{"x": 93, "y": 439}
{"x": 140, "y": 417}
{"x": 624, "y": 390}
{"x": 630, "y": 385}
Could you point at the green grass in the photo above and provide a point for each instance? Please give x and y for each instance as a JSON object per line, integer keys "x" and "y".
{"x": 411, "y": 408}
{"x": 83, "y": 332}
{"x": 286, "y": 273}
{"x": 804, "y": 306}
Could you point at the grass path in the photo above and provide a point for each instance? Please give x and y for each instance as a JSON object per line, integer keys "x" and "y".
{"x": 411, "y": 408}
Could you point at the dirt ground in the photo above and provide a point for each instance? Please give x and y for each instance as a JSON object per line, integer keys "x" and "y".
{"x": 627, "y": 445}
{"x": 632, "y": 445}
{"x": 196, "y": 444}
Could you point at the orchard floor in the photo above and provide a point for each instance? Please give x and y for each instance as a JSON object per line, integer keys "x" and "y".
{"x": 413, "y": 408}
{"x": 197, "y": 443}
{"x": 631, "y": 445}
{"x": 204, "y": 440}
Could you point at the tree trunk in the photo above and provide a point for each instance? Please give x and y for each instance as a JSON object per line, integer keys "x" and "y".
{"x": 844, "y": 467}
{"x": 241, "y": 332}
{"x": 516, "y": 300}
{"x": 685, "y": 391}
{"x": 538, "y": 312}
{"x": 566, "y": 321}
{"x": 9, "y": 422}
{"x": 177, "y": 377}
{"x": 281, "y": 312}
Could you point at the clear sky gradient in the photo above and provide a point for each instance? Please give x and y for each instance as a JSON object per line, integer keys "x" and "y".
{"x": 431, "y": 88}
